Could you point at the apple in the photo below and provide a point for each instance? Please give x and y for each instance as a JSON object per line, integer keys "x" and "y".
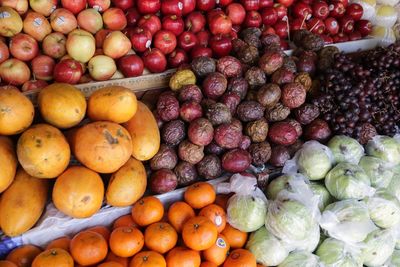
{"x": 331, "y": 26}
{"x": 327, "y": 39}
{"x": 251, "y": 5}
{"x": 123, "y": 4}
{"x": 10, "y": 21}
{"x": 187, "y": 40}
{"x": 81, "y": 45}
{"x": 67, "y": 71}
{"x": 174, "y": 24}
{"x": 355, "y": 11}
{"x": 4, "y": 53}
{"x": 171, "y": 7}
{"x": 220, "y": 45}
{"x": 253, "y": 19}
{"x": 336, "y": 9}
{"x": 203, "y": 37}
{"x": 302, "y": 10}
{"x": 14, "y": 72}
{"x": 354, "y": 36}
{"x": 151, "y": 22}
{"x": 213, "y": 13}
{"x": 102, "y": 68}
{"x": 42, "y": 67}
{"x": 320, "y": 9}
{"x": 344, "y": 2}
{"x": 195, "y": 22}
{"x": 220, "y": 24}
{"x": 316, "y": 26}
{"x": 340, "y": 37}
{"x": 90, "y": 20}
{"x": 62, "y": 20}
{"x": 85, "y": 79}
{"x": 36, "y": 25}
{"x": 132, "y": 16}
{"x": 99, "y": 5}
{"x": 83, "y": 65}
{"x": 131, "y": 65}
{"x": 177, "y": 58}
{"x": 116, "y": 45}
{"x": 200, "y": 51}
{"x": 54, "y": 45}
{"x": 224, "y": 2}
{"x": 364, "y": 27}
{"x": 75, "y": 6}
{"x": 268, "y": 30}
{"x": 140, "y": 39}
{"x": 100, "y": 36}
{"x": 205, "y": 5}
{"x": 188, "y": 6}
{"x": 148, "y": 6}
{"x": 33, "y": 85}
{"x": 266, "y": 3}
{"x": 165, "y": 41}
{"x": 21, "y": 6}
{"x": 346, "y": 24}
{"x": 117, "y": 75}
{"x": 285, "y": 3}
{"x": 269, "y": 16}
{"x": 114, "y": 19}
{"x": 154, "y": 60}
{"x": 23, "y": 47}
{"x": 297, "y": 24}
{"x": 281, "y": 11}
{"x": 236, "y": 13}
{"x": 44, "y": 7}
{"x": 282, "y": 29}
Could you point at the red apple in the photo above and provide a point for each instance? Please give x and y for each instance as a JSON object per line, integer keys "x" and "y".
{"x": 23, "y": 47}
{"x": 336, "y": 9}
{"x": 251, "y": 5}
{"x": 165, "y": 41}
{"x": 203, "y": 37}
{"x": 54, "y": 45}
{"x": 14, "y": 72}
{"x": 340, "y": 37}
{"x": 281, "y": 11}
{"x": 316, "y": 26}
{"x": 253, "y": 19}
{"x": 132, "y": 16}
{"x": 140, "y": 39}
{"x": 33, "y": 85}
{"x": 171, "y": 7}
{"x": 355, "y": 11}
{"x": 344, "y": 2}
{"x": 174, "y": 24}
{"x": 200, "y": 51}
{"x": 302, "y": 10}
{"x": 177, "y": 58}
{"x": 268, "y": 30}
{"x": 36, "y": 25}
{"x": 331, "y": 26}
{"x": 327, "y": 39}
{"x": 62, "y": 20}
{"x": 221, "y": 24}
{"x": 148, "y": 6}
{"x": 114, "y": 19}
{"x": 101, "y": 36}
{"x": 102, "y": 68}
{"x": 236, "y": 13}
{"x": 281, "y": 29}
{"x": 297, "y": 24}
{"x": 353, "y": 36}
{"x": 213, "y": 13}
{"x": 42, "y": 67}
{"x": 68, "y": 71}
{"x": 188, "y": 6}
{"x": 4, "y": 53}
{"x": 220, "y": 45}
{"x": 266, "y": 3}
{"x": 99, "y": 5}
{"x": 205, "y": 5}
{"x": 123, "y": 4}
{"x": 131, "y": 65}
{"x": 286, "y": 3}
{"x": 284, "y": 44}
{"x": 320, "y": 9}
{"x": 195, "y": 22}
{"x": 187, "y": 40}
{"x": 85, "y": 79}
{"x": 44, "y": 7}
{"x": 269, "y": 16}
{"x": 154, "y": 60}
{"x": 151, "y": 22}
{"x": 75, "y": 6}
{"x": 21, "y": 6}
{"x": 364, "y": 27}
{"x": 116, "y": 45}
{"x": 90, "y": 20}
{"x": 346, "y": 24}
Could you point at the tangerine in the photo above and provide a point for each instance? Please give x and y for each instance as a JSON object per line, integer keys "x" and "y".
{"x": 199, "y": 233}
{"x": 104, "y": 231}
{"x": 62, "y": 242}
{"x": 218, "y": 252}
{"x": 121, "y": 260}
{"x": 110, "y": 264}
{"x": 183, "y": 257}
{"x": 235, "y": 237}
{"x": 216, "y": 214}
{"x": 147, "y": 210}
{"x": 179, "y": 213}
{"x": 199, "y": 195}
{"x": 240, "y": 258}
{"x": 54, "y": 257}
{"x": 125, "y": 220}
{"x": 23, "y": 256}
{"x": 208, "y": 264}
{"x": 148, "y": 259}
{"x": 160, "y": 237}
{"x": 126, "y": 241}
{"x": 222, "y": 200}
{"x": 88, "y": 248}
{"x": 7, "y": 264}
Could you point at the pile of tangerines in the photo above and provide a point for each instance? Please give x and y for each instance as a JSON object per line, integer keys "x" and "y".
{"x": 192, "y": 233}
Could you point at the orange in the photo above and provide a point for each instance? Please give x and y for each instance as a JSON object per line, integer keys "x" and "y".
{"x": 235, "y": 237}
{"x": 199, "y": 195}
{"x": 216, "y": 214}
{"x": 54, "y": 257}
{"x": 23, "y": 256}
{"x": 260, "y": 265}
{"x": 88, "y": 248}
{"x": 62, "y": 242}
{"x": 183, "y": 257}
{"x": 160, "y": 237}
{"x": 101, "y": 230}
{"x": 222, "y": 200}
{"x": 147, "y": 210}
{"x": 114, "y": 258}
{"x": 218, "y": 252}
{"x": 208, "y": 264}
{"x": 240, "y": 258}
{"x": 7, "y": 264}
{"x": 126, "y": 241}
{"x": 178, "y": 213}
{"x": 148, "y": 259}
{"x": 199, "y": 233}
{"x": 110, "y": 264}
{"x": 125, "y": 220}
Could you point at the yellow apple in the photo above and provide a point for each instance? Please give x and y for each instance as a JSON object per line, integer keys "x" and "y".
{"x": 44, "y": 7}
{"x": 36, "y": 25}
{"x": 102, "y": 68}
{"x": 62, "y": 20}
{"x": 10, "y": 22}
{"x": 81, "y": 45}
{"x": 116, "y": 45}
{"x": 90, "y": 20}
{"x": 21, "y": 6}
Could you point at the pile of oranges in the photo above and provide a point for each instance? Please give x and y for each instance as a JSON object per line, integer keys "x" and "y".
{"x": 191, "y": 233}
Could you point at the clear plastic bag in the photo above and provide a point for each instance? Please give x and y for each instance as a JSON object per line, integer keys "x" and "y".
{"x": 394, "y": 260}
{"x": 388, "y": 2}
{"x": 384, "y": 209}
{"x": 325, "y": 198}
{"x": 379, "y": 172}
{"x": 336, "y": 253}
{"x": 378, "y": 247}
{"x": 283, "y": 183}
{"x": 346, "y": 149}
{"x": 385, "y": 35}
{"x": 386, "y": 148}
{"x": 385, "y": 16}
{"x": 301, "y": 259}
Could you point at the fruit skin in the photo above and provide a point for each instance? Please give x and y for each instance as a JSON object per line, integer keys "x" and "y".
{"x": 68, "y": 71}
{"x": 199, "y": 233}
{"x": 127, "y": 185}
{"x": 116, "y": 45}
{"x": 81, "y": 45}
{"x": 36, "y": 25}
{"x": 145, "y": 133}
{"x": 160, "y": 237}
{"x": 62, "y": 105}
{"x": 126, "y": 241}
{"x": 199, "y": 195}
{"x": 4, "y": 263}
{"x": 11, "y": 24}
{"x": 62, "y": 242}
{"x": 88, "y": 248}
{"x": 178, "y": 213}
{"x": 20, "y": 111}
{"x": 22, "y": 204}
{"x": 147, "y": 210}
{"x": 154, "y": 60}
{"x": 235, "y": 237}
{"x": 54, "y": 257}
{"x": 181, "y": 256}
{"x": 148, "y": 259}
{"x": 102, "y": 146}
{"x": 131, "y": 65}
{"x": 43, "y": 151}
{"x": 240, "y": 257}
{"x": 218, "y": 252}
{"x": 23, "y": 256}
{"x": 23, "y": 47}
{"x": 8, "y": 163}
{"x": 14, "y": 72}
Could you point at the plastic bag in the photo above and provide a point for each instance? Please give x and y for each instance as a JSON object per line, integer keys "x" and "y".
{"x": 336, "y": 253}
{"x": 283, "y": 183}
{"x": 301, "y": 259}
{"x": 347, "y": 220}
{"x": 386, "y": 16}
{"x": 387, "y": 2}
{"x": 386, "y": 148}
{"x": 394, "y": 186}
{"x": 384, "y": 209}
{"x": 394, "y": 260}
{"x": 346, "y": 149}
{"x": 379, "y": 172}
{"x": 325, "y": 198}
{"x": 396, "y": 30}
{"x": 385, "y": 35}
{"x": 368, "y": 8}
{"x": 248, "y": 207}
{"x": 314, "y": 160}
{"x": 378, "y": 247}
